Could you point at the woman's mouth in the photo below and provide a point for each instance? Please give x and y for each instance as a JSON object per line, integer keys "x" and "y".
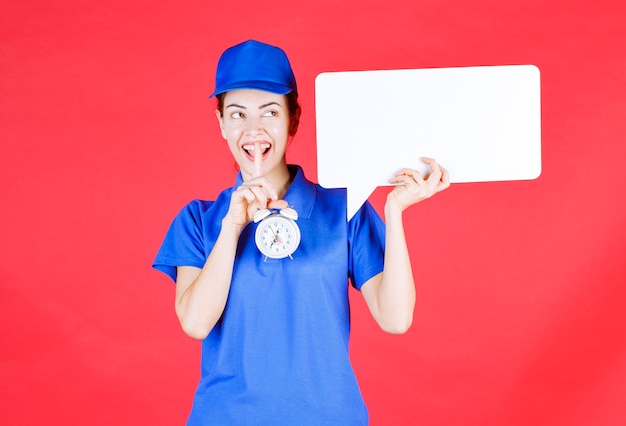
{"x": 249, "y": 149}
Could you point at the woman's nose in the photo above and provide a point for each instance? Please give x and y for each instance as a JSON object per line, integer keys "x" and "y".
{"x": 253, "y": 128}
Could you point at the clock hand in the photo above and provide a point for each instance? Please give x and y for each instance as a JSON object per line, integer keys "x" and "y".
{"x": 276, "y": 239}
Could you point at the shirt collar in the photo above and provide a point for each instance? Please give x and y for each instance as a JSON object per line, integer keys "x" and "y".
{"x": 300, "y": 194}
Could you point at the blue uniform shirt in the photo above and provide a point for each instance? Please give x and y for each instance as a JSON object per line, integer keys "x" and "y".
{"x": 279, "y": 354}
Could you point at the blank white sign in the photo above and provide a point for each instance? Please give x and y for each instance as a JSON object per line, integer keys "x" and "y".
{"x": 481, "y": 123}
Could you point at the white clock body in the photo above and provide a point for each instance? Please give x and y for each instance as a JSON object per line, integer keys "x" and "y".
{"x": 277, "y": 235}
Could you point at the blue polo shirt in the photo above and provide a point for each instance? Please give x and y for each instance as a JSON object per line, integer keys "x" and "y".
{"x": 279, "y": 353}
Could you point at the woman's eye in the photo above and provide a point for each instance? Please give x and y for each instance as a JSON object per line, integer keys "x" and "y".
{"x": 270, "y": 114}
{"x": 236, "y": 114}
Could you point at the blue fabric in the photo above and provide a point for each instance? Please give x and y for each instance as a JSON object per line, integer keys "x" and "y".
{"x": 279, "y": 354}
{"x": 254, "y": 65}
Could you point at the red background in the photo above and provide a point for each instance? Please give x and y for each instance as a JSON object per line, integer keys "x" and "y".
{"x": 106, "y": 131}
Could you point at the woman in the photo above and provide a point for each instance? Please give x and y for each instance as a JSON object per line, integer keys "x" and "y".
{"x": 275, "y": 331}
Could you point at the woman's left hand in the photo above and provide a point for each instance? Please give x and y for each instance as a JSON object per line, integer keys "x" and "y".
{"x": 412, "y": 187}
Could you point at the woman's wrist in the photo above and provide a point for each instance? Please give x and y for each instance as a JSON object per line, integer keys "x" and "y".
{"x": 392, "y": 209}
{"x": 231, "y": 229}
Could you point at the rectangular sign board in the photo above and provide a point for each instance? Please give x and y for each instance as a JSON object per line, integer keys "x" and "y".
{"x": 481, "y": 123}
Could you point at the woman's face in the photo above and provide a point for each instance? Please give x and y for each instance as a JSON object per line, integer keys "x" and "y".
{"x": 253, "y": 119}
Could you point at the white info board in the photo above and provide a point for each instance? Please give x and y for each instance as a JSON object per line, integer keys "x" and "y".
{"x": 481, "y": 123}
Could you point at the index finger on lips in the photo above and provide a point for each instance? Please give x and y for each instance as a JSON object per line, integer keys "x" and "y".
{"x": 258, "y": 160}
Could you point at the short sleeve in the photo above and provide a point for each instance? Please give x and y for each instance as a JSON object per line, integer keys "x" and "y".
{"x": 366, "y": 238}
{"x": 184, "y": 243}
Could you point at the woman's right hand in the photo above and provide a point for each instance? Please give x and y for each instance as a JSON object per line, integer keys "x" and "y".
{"x": 252, "y": 196}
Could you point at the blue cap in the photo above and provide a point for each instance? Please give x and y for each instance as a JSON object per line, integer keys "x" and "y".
{"x": 254, "y": 65}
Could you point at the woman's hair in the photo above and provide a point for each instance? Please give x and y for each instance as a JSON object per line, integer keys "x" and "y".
{"x": 292, "y": 105}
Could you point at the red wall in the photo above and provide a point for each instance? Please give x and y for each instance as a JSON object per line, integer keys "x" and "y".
{"x": 106, "y": 131}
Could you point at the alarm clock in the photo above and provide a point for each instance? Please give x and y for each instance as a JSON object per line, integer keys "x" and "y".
{"x": 277, "y": 235}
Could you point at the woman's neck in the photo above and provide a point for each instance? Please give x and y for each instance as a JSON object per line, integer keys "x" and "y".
{"x": 281, "y": 179}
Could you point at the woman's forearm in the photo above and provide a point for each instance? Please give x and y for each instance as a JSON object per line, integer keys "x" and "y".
{"x": 396, "y": 293}
{"x": 201, "y": 294}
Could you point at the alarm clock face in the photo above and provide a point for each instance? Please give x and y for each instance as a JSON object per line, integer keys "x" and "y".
{"x": 277, "y": 236}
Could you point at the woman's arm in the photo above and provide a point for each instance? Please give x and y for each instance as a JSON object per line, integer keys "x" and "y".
{"x": 390, "y": 295}
{"x": 201, "y": 294}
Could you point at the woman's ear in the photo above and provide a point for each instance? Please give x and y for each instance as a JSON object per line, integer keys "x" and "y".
{"x": 220, "y": 120}
{"x": 294, "y": 122}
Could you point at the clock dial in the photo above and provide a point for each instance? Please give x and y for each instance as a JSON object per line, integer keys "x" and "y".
{"x": 277, "y": 236}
